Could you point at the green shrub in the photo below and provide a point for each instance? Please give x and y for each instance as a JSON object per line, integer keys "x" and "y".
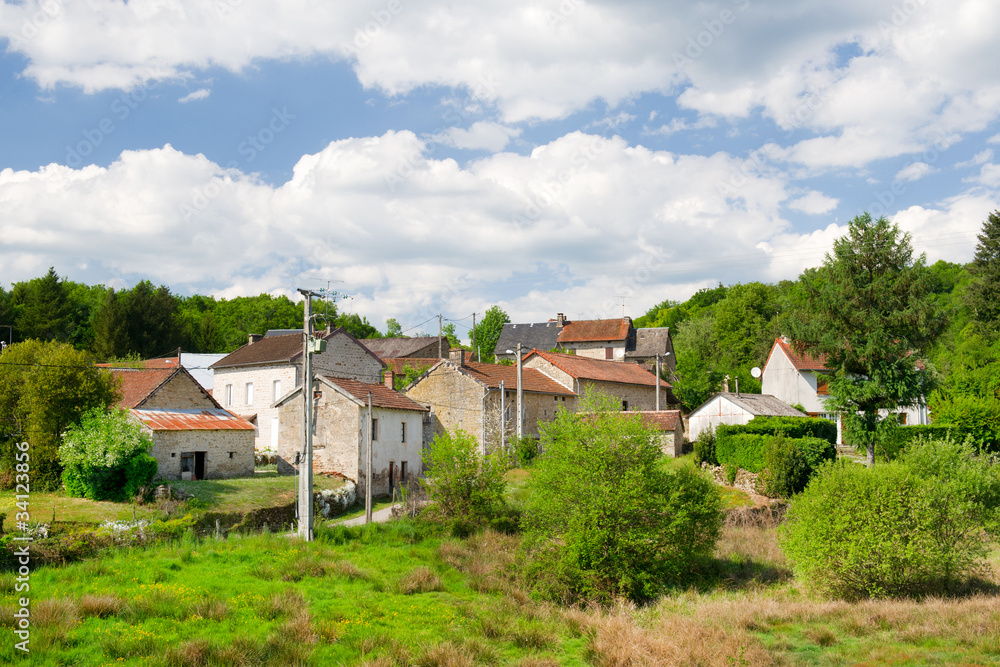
{"x": 139, "y": 472}
{"x": 892, "y": 440}
{"x": 976, "y": 416}
{"x": 916, "y": 526}
{"x": 791, "y": 427}
{"x": 603, "y": 518}
{"x": 97, "y": 456}
{"x": 704, "y": 448}
{"x": 786, "y": 470}
{"x": 817, "y": 451}
{"x": 525, "y": 450}
{"x": 743, "y": 450}
{"x": 461, "y": 482}
{"x": 731, "y": 472}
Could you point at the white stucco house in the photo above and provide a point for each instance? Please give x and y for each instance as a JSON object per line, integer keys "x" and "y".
{"x": 799, "y": 379}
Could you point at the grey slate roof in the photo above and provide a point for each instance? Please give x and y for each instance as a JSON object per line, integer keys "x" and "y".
{"x": 538, "y": 336}
{"x": 650, "y": 342}
{"x": 763, "y": 405}
{"x": 393, "y": 348}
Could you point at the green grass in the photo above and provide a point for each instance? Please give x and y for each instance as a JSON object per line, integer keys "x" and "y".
{"x": 221, "y": 495}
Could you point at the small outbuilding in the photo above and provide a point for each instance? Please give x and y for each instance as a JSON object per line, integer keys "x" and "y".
{"x": 737, "y": 408}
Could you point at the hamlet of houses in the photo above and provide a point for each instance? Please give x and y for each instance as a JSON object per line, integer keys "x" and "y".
{"x": 251, "y": 401}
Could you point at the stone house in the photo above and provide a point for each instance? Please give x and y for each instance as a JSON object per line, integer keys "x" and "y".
{"x": 736, "y": 408}
{"x": 250, "y": 380}
{"x": 340, "y": 435}
{"x": 800, "y": 379}
{"x": 649, "y": 342}
{"x": 467, "y": 395}
{"x": 669, "y": 426}
{"x": 632, "y": 385}
{"x": 420, "y": 347}
{"x": 193, "y": 436}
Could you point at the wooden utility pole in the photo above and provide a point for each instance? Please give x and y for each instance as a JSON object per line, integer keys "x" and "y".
{"x": 657, "y": 382}
{"x": 368, "y": 466}
{"x": 440, "y": 343}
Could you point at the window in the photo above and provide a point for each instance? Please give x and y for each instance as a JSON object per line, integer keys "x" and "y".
{"x": 402, "y": 434}
{"x": 229, "y": 394}
{"x": 901, "y": 418}
{"x": 402, "y": 472}
{"x": 277, "y": 389}
{"x": 625, "y": 406}
{"x": 609, "y": 353}
{"x": 555, "y": 398}
{"x": 249, "y": 393}
{"x": 374, "y": 429}
{"x": 232, "y": 454}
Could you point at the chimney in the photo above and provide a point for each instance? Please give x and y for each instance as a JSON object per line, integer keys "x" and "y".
{"x": 254, "y": 338}
{"x": 725, "y": 385}
{"x": 457, "y": 355}
{"x": 560, "y": 319}
{"x": 388, "y": 377}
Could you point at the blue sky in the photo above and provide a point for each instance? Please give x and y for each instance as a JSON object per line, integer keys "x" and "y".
{"x": 546, "y": 156}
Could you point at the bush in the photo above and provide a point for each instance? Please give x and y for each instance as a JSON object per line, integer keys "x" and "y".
{"x": 791, "y": 427}
{"x": 525, "y": 450}
{"x": 893, "y": 440}
{"x": 463, "y": 483}
{"x": 817, "y": 451}
{"x": 787, "y": 468}
{"x": 704, "y": 448}
{"x": 743, "y": 450}
{"x": 604, "y": 519}
{"x": 98, "y": 454}
{"x": 976, "y": 416}
{"x": 916, "y": 526}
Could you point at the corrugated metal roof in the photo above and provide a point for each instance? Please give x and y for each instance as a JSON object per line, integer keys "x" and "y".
{"x": 192, "y": 420}
{"x": 762, "y": 405}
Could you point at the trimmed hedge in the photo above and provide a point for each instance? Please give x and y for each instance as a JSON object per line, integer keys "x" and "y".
{"x": 816, "y": 450}
{"x": 743, "y": 450}
{"x": 791, "y": 427}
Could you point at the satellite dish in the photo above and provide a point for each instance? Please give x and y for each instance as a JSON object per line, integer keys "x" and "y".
{"x": 755, "y": 372}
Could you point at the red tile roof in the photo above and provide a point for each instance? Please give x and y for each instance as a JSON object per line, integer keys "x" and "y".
{"x": 382, "y": 396}
{"x": 580, "y": 331}
{"x": 534, "y": 380}
{"x": 192, "y": 420}
{"x": 138, "y": 383}
{"x": 664, "y": 420}
{"x": 585, "y": 368}
{"x": 802, "y": 362}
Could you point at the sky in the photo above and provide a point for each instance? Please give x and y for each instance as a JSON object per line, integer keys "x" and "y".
{"x": 422, "y": 157}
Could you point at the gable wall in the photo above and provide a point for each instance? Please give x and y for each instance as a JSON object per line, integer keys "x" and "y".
{"x": 783, "y": 381}
{"x": 553, "y": 371}
{"x": 179, "y": 393}
{"x": 715, "y": 412}
{"x": 455, "y": 399}
{"x": 346, "y": 359}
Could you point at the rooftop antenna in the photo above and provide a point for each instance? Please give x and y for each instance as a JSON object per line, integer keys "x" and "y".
{"x": 623, "y": 298}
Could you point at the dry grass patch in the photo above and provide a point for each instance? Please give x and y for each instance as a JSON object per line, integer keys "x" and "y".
{"x": 211, "y": 608}
{"x": 420, "y": 580}
{"x": 676, "y": 640}
{"x": 349, "y": 570}
{"x": 54, "y": 613}
{"x": 100, "y": 606}
{"x": 286, "y": 603}
{"x": 444, "y": 655}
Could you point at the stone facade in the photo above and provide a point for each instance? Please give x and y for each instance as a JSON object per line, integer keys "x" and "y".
{"x": 180, "y": 392}
{"x": 630, "y": 396}
{"x": 226, "y": 453}
{"x": 340, "y": 440}
{"x": 598, "y": 349}
{"x": 344, "y": 357}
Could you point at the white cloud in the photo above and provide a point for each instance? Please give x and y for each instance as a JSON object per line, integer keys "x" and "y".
{"x": 916, "y": 74}
{"x": 584, "y": 218}
{"x": 682, "y": 125}
{"x": 199, "y": 94}
{"x": 979, "y": 158}
{"x": 995, "y": 139}
{"x": 914, "y": 172}
{"x": 482, "y": 135}
{"x": 989, "y": 175}
{"x": 813, "y": 202}
{"x": 615, "y": 121}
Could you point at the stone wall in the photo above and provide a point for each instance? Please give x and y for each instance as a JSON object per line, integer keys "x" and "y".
{"x": 217, "y": 445}
{"x": 181, "y": 392}
{"x": 553, "y": 371}
{"x": 639, "y": 397}
{"x": 345, "y": 358}
{"x": 456, "y": 400}
{"x": 598, "y": 349}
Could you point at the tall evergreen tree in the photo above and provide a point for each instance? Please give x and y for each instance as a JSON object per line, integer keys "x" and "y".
{"x": 869, "y": 310}
{"x": 983, "y": 293}
{"x": 111, "y": 331}
{"x": 45, "y": 313}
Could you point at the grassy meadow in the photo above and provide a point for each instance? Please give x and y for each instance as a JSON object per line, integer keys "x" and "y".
{"x": 403, "y": 594}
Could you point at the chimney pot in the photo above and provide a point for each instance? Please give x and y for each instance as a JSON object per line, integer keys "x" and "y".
{"x": 388, "y": 377}
{"x": 560, "y": 319}
{"x": 457, "y": 355}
